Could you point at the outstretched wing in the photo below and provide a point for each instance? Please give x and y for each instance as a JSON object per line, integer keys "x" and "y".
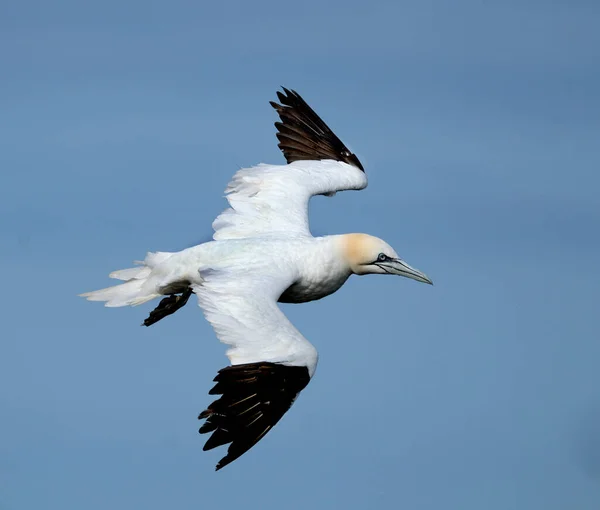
{"x": 273, "y": 199}
{"x": 271, "y": 361}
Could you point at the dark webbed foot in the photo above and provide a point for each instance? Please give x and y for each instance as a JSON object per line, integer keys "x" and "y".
{"x": 167, "y": 306}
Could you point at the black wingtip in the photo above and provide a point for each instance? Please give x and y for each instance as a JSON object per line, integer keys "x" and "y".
{"x": 254, "y": 397}
{"x": 303, "y": 135}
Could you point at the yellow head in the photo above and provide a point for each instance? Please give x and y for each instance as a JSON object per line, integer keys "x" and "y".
{"x": 366, "y": 254}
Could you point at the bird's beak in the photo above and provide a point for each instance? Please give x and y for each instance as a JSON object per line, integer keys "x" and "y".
{"x": 401, "y": 268}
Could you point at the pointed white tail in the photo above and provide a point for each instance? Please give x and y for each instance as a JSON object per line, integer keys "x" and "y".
{"x": 136, "y": 289}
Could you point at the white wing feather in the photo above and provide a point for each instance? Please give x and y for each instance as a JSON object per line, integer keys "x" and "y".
{"x": 245, "y": 315}
{"x": 273, "y": 199}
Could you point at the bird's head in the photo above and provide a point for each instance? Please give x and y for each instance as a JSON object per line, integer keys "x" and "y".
{"x": 366, "y": 254}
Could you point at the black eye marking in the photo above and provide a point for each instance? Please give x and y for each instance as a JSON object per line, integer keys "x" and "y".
{"x": 382, "y": 257}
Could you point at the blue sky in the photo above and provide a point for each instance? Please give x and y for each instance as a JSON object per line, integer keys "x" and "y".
{"x": 478, "y": 126}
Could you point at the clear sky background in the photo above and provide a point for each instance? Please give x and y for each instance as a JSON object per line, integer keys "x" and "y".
{"x": 120, "y": 125}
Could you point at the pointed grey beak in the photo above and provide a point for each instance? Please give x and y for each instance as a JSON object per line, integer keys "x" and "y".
{"x": 401, "y": 268}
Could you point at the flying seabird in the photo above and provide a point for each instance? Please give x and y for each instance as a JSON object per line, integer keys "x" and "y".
{"x": 262, "y": 253}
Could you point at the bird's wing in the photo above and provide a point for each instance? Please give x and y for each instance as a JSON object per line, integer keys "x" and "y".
{"x": 271, "y": 361}
{"x": 273, "y": 199}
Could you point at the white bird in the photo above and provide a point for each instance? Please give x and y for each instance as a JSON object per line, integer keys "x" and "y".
{"x": 263, "y": 253}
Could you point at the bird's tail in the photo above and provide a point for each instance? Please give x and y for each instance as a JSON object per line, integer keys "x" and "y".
{"x": 138, "y": 288}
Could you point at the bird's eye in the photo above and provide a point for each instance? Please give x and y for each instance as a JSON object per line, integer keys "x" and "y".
{"x": 382, "y": 257}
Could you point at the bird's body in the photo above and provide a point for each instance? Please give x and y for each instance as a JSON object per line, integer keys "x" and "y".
{"x": 309, "y": 268}
{"x": 263, "y": 253}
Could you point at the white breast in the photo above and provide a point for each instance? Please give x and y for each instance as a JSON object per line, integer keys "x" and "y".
{"x": 321, "y": 271}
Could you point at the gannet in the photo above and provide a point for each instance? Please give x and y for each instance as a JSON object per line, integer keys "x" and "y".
{"x": 263, "y": 253}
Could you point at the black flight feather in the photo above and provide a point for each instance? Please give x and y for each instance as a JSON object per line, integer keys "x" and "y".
{"x": 254, "y": 397}
{"x": 303, "y": 135}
